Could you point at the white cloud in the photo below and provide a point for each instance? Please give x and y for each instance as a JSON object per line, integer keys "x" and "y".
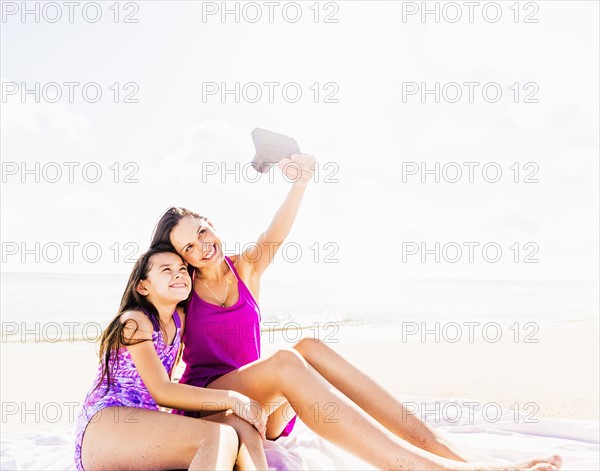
{"x": 42, "y": 118}
{"x": 207, "y": 147}
{"x": 86, "y": 201}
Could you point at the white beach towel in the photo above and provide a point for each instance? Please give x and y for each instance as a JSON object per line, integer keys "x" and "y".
{"x": 482, "y": 433}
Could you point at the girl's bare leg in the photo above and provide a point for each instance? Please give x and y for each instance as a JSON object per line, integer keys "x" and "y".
{"x": 135, "y": 438}
{"x": 251, "y": 453}
{"x": 374, "y": 400}
{"x": 286, "y": 375}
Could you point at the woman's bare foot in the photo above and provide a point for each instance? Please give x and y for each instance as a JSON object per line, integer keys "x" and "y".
{"x": 553, "y": 463}
{"x": 550, "y": 464}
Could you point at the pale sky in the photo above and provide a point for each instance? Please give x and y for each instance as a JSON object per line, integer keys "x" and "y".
{"x": 360, "y": 210}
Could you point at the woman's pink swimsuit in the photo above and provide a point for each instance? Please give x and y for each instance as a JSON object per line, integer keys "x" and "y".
{"x": 219, "y": 339}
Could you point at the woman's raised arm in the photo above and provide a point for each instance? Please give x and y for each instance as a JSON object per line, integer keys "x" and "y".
{"x": 299, "y": 169}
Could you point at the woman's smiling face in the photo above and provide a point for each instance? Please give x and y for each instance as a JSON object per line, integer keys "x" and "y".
{"x": 196, "y": 242}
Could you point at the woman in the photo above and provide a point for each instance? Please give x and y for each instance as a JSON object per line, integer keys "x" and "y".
{"x": 222, "y": 351}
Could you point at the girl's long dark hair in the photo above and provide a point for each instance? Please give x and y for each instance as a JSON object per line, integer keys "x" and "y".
{"x": 113, "y": 337}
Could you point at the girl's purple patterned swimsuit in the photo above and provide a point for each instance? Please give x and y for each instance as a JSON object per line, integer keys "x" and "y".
{"x": 128, "y": 389}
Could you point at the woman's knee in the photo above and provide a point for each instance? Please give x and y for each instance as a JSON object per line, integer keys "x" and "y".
{"x": 288, "y": 360}
{"x": 307, "y": 345}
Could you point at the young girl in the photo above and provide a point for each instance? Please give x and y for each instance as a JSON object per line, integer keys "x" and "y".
{"x": 121, "y": 427}
{"x": 223, "y": 351}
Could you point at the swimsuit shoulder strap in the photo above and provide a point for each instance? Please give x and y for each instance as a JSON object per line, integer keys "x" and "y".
{"x": 177, "y": 319}
{"x": 155, "y": 324}
{"x": 232, "y": 267}
{"x": 244, "y": 290}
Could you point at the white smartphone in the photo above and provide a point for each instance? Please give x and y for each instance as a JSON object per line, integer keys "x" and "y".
{"x": 271, "y": 147}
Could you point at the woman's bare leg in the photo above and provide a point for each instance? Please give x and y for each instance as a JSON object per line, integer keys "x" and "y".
{"x": 286, "y": 375}
{"x": 251, "y": 453}
{"x": 374, "y": 400}
{"x": 135, "y": 438}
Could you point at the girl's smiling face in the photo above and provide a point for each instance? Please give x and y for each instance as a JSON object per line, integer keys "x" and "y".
{"x": 197, "y": 242}
{"x": 168, "y": 280}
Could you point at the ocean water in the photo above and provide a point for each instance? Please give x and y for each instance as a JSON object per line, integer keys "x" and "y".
{"x": 58, "y": 307}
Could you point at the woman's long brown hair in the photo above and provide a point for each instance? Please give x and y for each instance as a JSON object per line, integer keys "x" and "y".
{"x": 113, "y": 337}
{"x": 162, "y": 232}
{"x": 168, "y": 221}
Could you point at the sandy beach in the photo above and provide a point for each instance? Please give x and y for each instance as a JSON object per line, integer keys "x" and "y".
{"x": 43, "y": 385}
